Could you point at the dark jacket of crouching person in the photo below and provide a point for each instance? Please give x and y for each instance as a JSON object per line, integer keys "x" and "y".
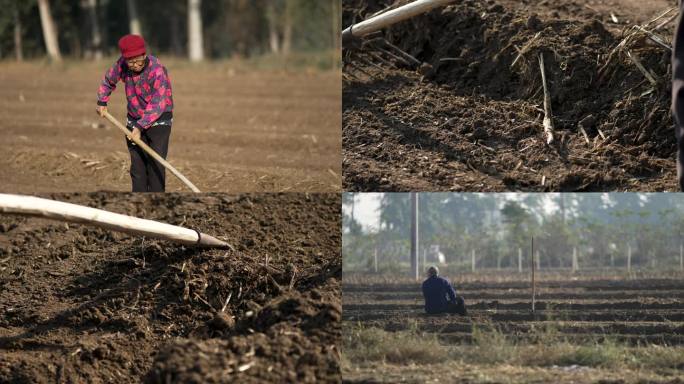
{"x": 440, "y": 296}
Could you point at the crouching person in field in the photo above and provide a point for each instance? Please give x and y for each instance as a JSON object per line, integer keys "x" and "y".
{"x": 440, "y": 296}
{"x": 150, "y": 108}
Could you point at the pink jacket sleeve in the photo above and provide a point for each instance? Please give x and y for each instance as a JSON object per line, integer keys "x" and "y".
{"x": 108, "y": 85}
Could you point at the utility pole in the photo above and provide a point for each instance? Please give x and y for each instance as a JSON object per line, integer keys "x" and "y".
{"x": 472, "y": 260}
{"x": 414, "y": 236}
{"x": 375, "y": 260}
{"x": 533, "y": 267}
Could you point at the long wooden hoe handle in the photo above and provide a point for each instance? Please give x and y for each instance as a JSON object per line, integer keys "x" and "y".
{"x": 61, "y": 211}
{"x": 151, "y": 152}
{"x": 392, "y": 17}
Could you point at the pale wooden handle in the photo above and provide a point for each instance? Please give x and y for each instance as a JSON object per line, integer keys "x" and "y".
{"x": 57, "y": 210}
{"x": 151, "y": 152}
{"x": 394, "y": 16}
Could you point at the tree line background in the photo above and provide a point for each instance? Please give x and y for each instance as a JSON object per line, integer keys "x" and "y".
{"x": 196, "y": 29}
{"x": 603, "y": 229}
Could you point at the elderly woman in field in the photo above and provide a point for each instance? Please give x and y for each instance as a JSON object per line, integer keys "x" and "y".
{"x": 440, "y": 296}
{"x": 150, "y": 106}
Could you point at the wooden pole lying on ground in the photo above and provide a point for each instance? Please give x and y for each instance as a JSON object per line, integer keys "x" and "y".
{"x": 57, "y": 210}
{"x": 534, "y": 283}
{"x": 394, "y": 16}
{"x": 151, "y": 152}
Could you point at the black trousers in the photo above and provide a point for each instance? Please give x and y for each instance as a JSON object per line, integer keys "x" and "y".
{"x": 147, "y": 174}
{"x": 458, "y": 307}
{"x": 678, "y": 94}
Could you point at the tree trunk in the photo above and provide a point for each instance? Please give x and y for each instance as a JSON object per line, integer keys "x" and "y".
{"x": 353, "y": 202}
{"x": 195, "y": 41}
{"x": 102, "y": 15}
{"x": 176, "y": 44}
{"x": 75, "y": 46}
{"x": 133, "y": 18}
{"x": 273, "y": 38}
{"x": 95, "y": 35}
{"x": 49, "y": 31}
{"x": 18, "y": 45}
{"x": 337, "y": 33}
{"x": 287, "y": 28}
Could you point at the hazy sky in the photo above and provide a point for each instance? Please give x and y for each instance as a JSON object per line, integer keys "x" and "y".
{"x": 366, "y": 210}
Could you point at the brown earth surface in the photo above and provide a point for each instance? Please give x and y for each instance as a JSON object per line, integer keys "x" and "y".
{"x": 471, "y": 120}
{"x": 580, "y": 308}
{"x": 235, "y": 129}
{"x": 82, "y": 304}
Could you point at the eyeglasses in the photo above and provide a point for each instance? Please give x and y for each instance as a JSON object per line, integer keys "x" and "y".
{"x": 135, "y": 61}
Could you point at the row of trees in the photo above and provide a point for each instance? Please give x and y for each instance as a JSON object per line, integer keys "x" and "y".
{"x": 197, "y": 28}
{"x": 602, "y": 230}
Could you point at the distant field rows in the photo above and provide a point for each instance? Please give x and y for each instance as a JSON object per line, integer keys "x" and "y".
{"x": 526, "y": 315}
{"x": 578, "y": 311}
{"x": 501, "y": 295}
{"x": 502, "y": 306}
{"x": 618, "y": 285}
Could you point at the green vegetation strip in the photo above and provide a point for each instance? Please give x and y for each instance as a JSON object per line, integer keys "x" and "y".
{"x": 372, "y": 345}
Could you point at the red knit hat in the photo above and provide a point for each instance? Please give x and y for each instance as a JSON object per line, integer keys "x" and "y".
{"x": 131, "y": 46}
